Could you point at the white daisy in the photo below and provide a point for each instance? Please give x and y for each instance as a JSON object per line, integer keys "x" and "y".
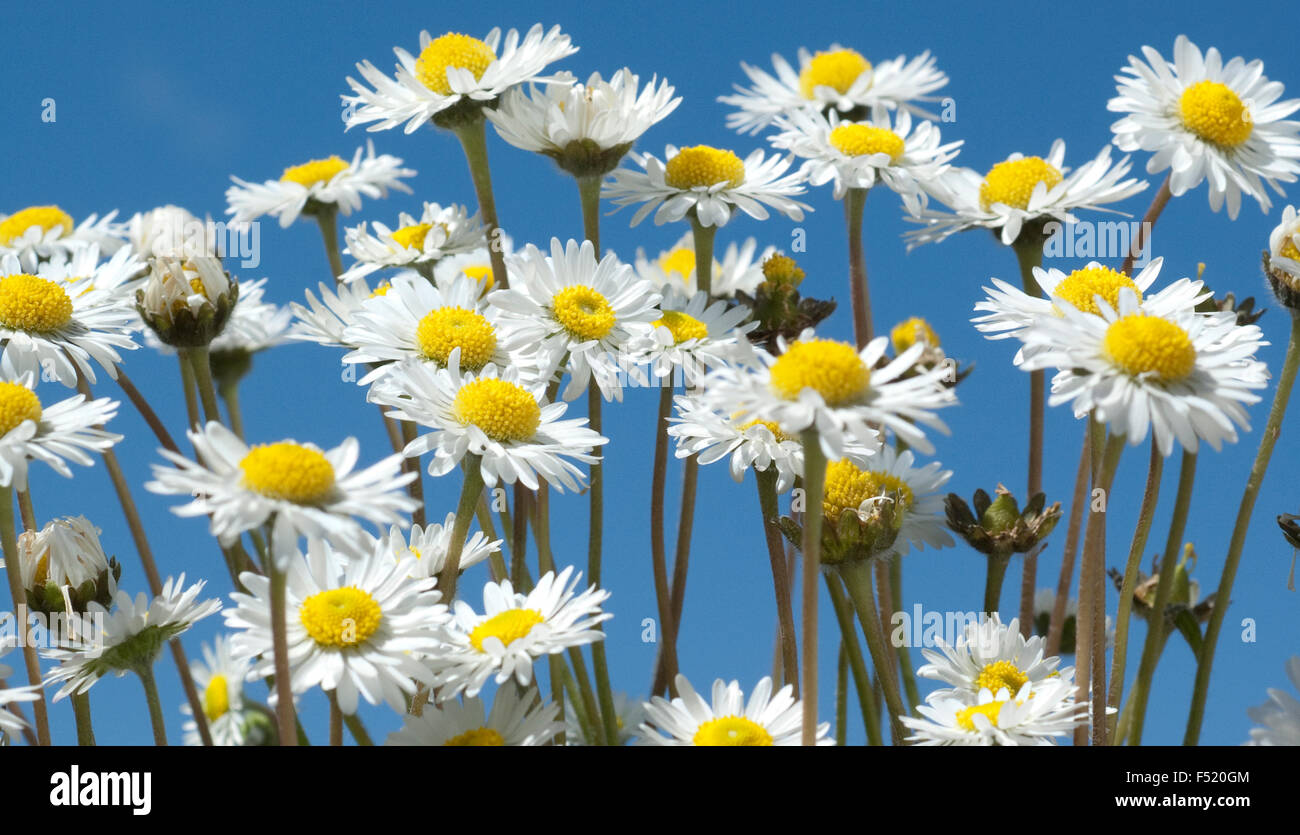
{"x": 117, "y": 277}
{"x": 857, "y": 484}
{"x": 990, "y": 655}
{"x": 220, "y": 681}
{"x": 767, "y": 719}
{"x": 453, "y": 69}
{"x": 357, "y": 625}
{"x": 438, "y": 233}
{"x": 514, "y": 720}
{"x": 1034, "y": 716}
{"x": 515, "y": 629}
{"x": 67, "y": 430}
{"x": 12, "y": 723}
{"x": 1207, "y": 120}
{"x": 477, "y": 263}
{"x": 1017, "y": 191}
{"x": 331, "y": 181}
{"x": 427, "y": 546}
{"x": 1284, "y": 244}
{"x": 707, "y": 182}
{"x": 1280, "y": 715}
{"x": 739, "y": 270}
{"x": 324, "y": 320}
{"x": 39, "y": 232}
{"x": 694, "y": 334}
{"x": 64, "y": 563}
{"x": 173, "y": 232}
{"x": 254, "y": 324}
{"x": 712, "y": 436}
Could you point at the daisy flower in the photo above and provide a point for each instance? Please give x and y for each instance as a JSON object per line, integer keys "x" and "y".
{"x": 357, "y": 625}
{"x": 1284, "y": 244}
{"x": 695, "y": 333}
{"x": 1182, "y": 375}
{"x": 706, "y": 182}
{"x": 117, "y": 277}
{"x": 67, "y": 431}
{"x": 1030, "y": 717}
{"x": 751, "y": 444}
{"x": 515, "y": 629}
{"x": 492, "y": 415}
{"x": 569, "y": 305}
{"x": 427, "y": 546}
{"x": 477, "y": 263}
{"x": 514, "y": 720}
{"x": 451, "y": 70}
{"x": 63, "y": 566}
{"x": 992, "y": 656}
{"x": 254, "y": 325}
{"x": 171, "y": 232}
{"x": 887, "y": 475}
{"x": 1020, "y": 190}
{"x": 308, "y": 490}
{"x": 767, "y": 719}
{"x": 39, "y": 232}
{"x": 1280, "y": 715}
{"x": 837, "y": 79}
{"x": 220, "y": 682}
{"x": 303, "y": 189}
{"x": 12, "y": 723}
{"x": 438, "y": 233}
{"x": 324, "y": 320}
{"x": 739, "y": 270}
{"x": 1205, "y": 120}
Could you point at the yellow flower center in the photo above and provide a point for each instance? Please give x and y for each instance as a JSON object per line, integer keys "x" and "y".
{"x": 340, "y": 617}
{"x": 990, "y": 710}
{"x": 1150, "y": 345}
{"x": 1212, "y": 111}
{"x": 583, "y": 312}
{"x": 504, "y": 411}
{"x": 1079, "y": 287}
{"x": 382, "y": 289}
{"x": 910, "y": 331}
{"x": 682, "y": 326}
{"x": 507, "y": 627}
{"x": 772, "y": 426}
{"x": 482, "y": 273}
{"x": 412, "y": 237}
{"x": 680, "y": 261}
{"x": 477, "y": 738}
{"x": 704, "y": 166}
{"x": 32, "y": 304}
{"x": 288, "y": 471}
{"x": 452, "y": 50}
{"x": 316, "y": 171}
{"x": 1012, "y": 182}
{"x": 732, "y": 731}
{"x": 847, "y": 487}
{"x": 1289, "y": 251}
{"x": 44, "y": 217}
{"x": 838, "y": 69}
{"x": 782, "y": 269}
{"x": 17, "y": 404}
{"x": 447, "y": 328}
{"x": 863, "y": 140}
{"x": 1001, "y": 674}
{"x": 216, "y": 698}
{"x": 832, "y": 369}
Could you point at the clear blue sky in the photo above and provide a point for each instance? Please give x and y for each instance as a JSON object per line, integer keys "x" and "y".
{"x": 160, "y": 103}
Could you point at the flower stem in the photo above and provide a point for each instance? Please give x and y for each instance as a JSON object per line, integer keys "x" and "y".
{"x": 855, "y": 201}
{"x": 658, "y": 549}
{"x": 230, "y": 396}
{"x": 81, "y": 713}
{"x": 997, "y": 571}
{"x": 596, "y": 492}
{"x": 26, "y": 511}
{"x": 767, "y": 502}
{"x": 858, "y": 581}
{"x": 1286, "y": 379}
{"x": 1029, "y": 254}
{"x": 146, "y": 411}
{"x": 469, "y": 493}
{"x": 327, "y": 217}
{"x": 589, "y": 192}
{"x": 857, "y": 665}
{"x": 904, "y": 654}
{"x": 842, "y": 697}
{"x": 9, "y": 538}
{"x": 155, "y": 704}
{"x": 416, "y": 488}
{"x": 1057, "y": 622}
{"x": 814, "y": 485}
{"x": 473, "y": 139}
{"x": 190, "y": 387}
{"x": 202, "y": 363}
{"x": 357, "y": 729}
{"x": 703, "y": 237}
{"x": 336, "y": 719}
{"x": 1157, "y": 206}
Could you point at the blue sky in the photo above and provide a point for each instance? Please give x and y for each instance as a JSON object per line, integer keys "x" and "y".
{"x": 159, "y": 104}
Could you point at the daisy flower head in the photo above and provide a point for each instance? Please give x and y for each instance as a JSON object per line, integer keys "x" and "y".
{"x": 171, "y": 232}
{"x": 834, "y": 80}
{"x": 219, "y": 679}
{"x": 705, "y": 183}
{"x": 452, "y": 78}
{"x": 514, "y": 630}
{"x": 187, "y": 304}
{"x": 990, "y": 655}
{"x": 1283, "y": 264}
{"x": 493, "y": 415}
{"x": 728, "y": 720}
{"x": 513, "y": 720}
{"x": 585, "y": 128}
{"x": 68, "y": 430}
{"x": 116, "y": 277}
{"x": 476, "y": 263}
{"x": 1021, "y": 190}
{"x": 439, "y": 232}
{"x": 40, "y": 232}
{"x": 63, "y": 566}
{"x": 330, "y": 183}
{"x": 308, "y": 490}
{"x": 1207, "y": 120}
{"x": 1280, "y": 715}
{"x": 1036, "y": 716}
{"x": 695, "y": 333}
{"x": 568, "y": 304}
{"x": 427, "y": 546}
{"x": 739, "y": 270}
{"x": 11, "y": 722}
{"x": 324, "y": 320}
{"x": 711, "y": 435}
{"x": 857, "y": 483}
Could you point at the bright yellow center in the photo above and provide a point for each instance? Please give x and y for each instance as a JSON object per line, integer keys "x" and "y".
{"x": 910, "y": 331}
{"x": 507, "y": 627}
{"x": 832, "y": 369}
{"x": 452, "y": 50}
{"x": 1215, "y": 113}
{"x": 772, "y": 426}
{"x": 1150, "y": 345}
{"x": 838, "y": 69}
{"x": 1079, "y": 287}
{"x": 382, "y": 289}
{"x": 682, "y": 326}
{"x": 704, "y": 166}
{"x": 504, "y": 411}
{"x": 1289, "y": 251}
{"x": 965, "y": 719}
{"x": 317, "y": 171}
{"x": 216, "y": 698}
{"x": 1012, "y": 182}
{"x": 32, "y": 304}
{"x": 863, "y": 140}
{"x": 412, "y": 237}
{"x": 289, "y": 472}
{"x": 447, "y": 328}
{"x": 477, "y": 738}
{"x": 1001, "y": 674}
{"x": 482, "y": 273}
{"x": 782, "y": 269}
{"x": 17, "y": 404}
{"x": 583, "y": 312}
{"x": 847, "y": 487}
{"x": 680, "y": 261}
{"x": 43, "y": 217}
{"x": 732, "y": 731}
{"x": 340, "y": 617}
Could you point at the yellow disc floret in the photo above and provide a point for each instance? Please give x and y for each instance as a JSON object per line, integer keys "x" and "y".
{"x": 17, "y": 404}
{"x": 1001, "y": 674}
{"x": 504, "y": 411}
{"x": 771, "y": 425}
{"x": 832, "y": 369}
{"x": 680, "y": 261}
{"x": 477, "y": 738}
{"x": 447, "y": 328}
{"x": 507, "y": 627}
{"x": 44, "y": 218}
{"x": 732, "y": 731}
{"x": 340, "y": 618}
{"x": 482, "y": 273}
{"x": 216, "y": 698}
{"x": 316, "y": 171}
{"x": 584, "y": 312}
{"x": 703, "y": 166}
{"x": 682, "y": 326}
{"x": 1150, "y": 345}
{"x": 847, "y": 487}
{"x": 1079, "y": 287}
{"x": 1212, "y": 111}
{"x": 452, "y": 50}
{"x": 863, "y": 140}
{"x": 990, "y": 711}
{"x": 1012, "y": 182}
{"x": 782, "y": 269}
{"x": 910, "y": 331}
{"x": 837, "y": 69}
{"x": 412, "y": 237}
{"x": 381, "y": 289}
{"x": 1289, "y": 250}
{"x": 289, "y": 472}
{"x": 32, "y": 304}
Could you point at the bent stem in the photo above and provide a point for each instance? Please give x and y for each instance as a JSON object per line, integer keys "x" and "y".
{"x": 1029, "y": 254}
{"x": 814, "y": 486}
{"x": 473, "y": 139}
{"x": 768, "y": 504}
{"x": 9, "y": 539}
{"x": 855, "y": 201}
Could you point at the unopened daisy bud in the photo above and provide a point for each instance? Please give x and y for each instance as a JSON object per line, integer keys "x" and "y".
{"x": 187, "y": 303}
{"x": 64, "y": 567}
{"x": 998, "y": 527}
{"x": 1183, "y": 611}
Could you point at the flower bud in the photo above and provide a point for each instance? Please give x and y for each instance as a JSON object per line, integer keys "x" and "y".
{"x": 64, "y": 567}
{"x": 187, "y": 303}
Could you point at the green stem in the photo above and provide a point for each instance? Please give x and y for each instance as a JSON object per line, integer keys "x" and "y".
{"x": 202, "y": 363}
{"x": 495, "y": 561}
{"x": 855, "y": 201}
{"x": 842, "y": 697}
{"x": 585, "y": 692}
{"x": 857, "y": 579}
{"x": 230, "y": 395}
{"x": 155, "y": 705}
{"x": 336, "y": 720}
{"x": 81, "y": 713}
{"x": 658, "y": 549}
{"x": 814, "y": 485}
{"x": 589, "y": 193}
{"x": 473, "y": 139}
{"x": 596, "y": 492}
{"x": 327, "y": 218}
{"x": 1029, "y": 254}
{"x": 357, "y": 729}
{"x": 682, "y": 557}
{"x": 1077, "y": 501}
{"x": 703, "y": 238}
{"x": 997, "y": 571}
{"x": 904, "y": 653}
{"x": 767, "y": 501}
{"x": 416, "y": 488}
{"x": 857, "y": 664}
{"x": 146, "y": 411}
{"x": 284, "y": 712}
{"x": 190, "y": 387}
{"x": 587, "y": 730}
{"x": 9, "y": 539}
{"x": 470, "y": 490}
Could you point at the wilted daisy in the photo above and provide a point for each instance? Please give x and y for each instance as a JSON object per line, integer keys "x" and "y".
{"x": 706, "y": 182}
{"x": 427, "y": 547}
{"x": 767, "y": 719}
{"x": 569, "y": 305}
{"x": 492, "y": 415}
{"x": 739, "y": 270}
{"x": 751, "y": 444}
{"x": 837, "y": 79}
{"x": 889, "y": 476}
{"x": 1021, "y": 190}
{"x": 357, "y": 625}
{"x": 451, "y": 70}
{"x": 308, "y": 490}
{"x": 993, "y": 656}
{"x": 515, "y": 629}
{"x": 696, "y": 333}
{"x": 39, "y": 232}
{"x": 332, "y": 182}
{"x": 514, "y": 720}
{"x": 30, "y": 431}
{"x": 63, "y": 566}
{"x": 415, "y": 243}
{"x": 1280, "y": 715}
{"x": 1205, "y": 120}
{"x": 324, "y": 320}
{"x": 1032, "y": 716}
{"x": 219, "y": 679}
